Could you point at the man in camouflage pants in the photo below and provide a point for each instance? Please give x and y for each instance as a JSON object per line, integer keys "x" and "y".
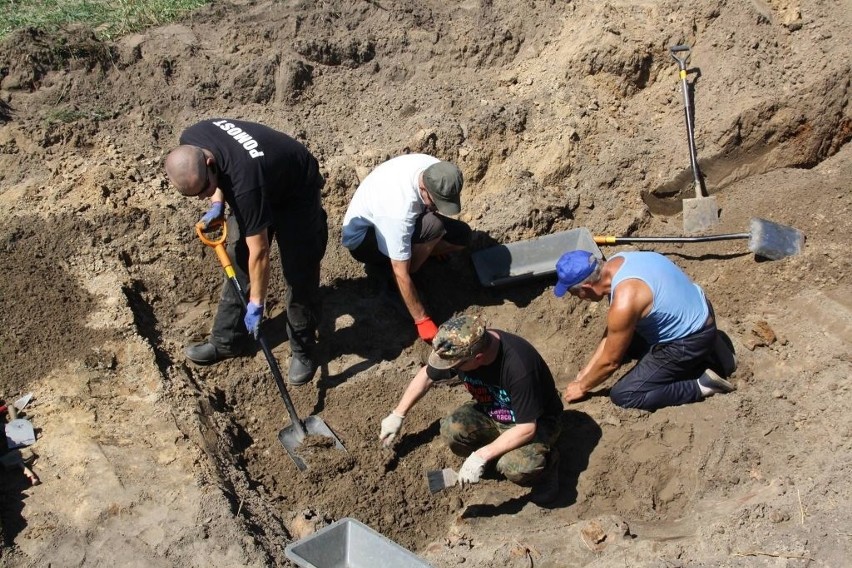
{"x": 514, "y": 417}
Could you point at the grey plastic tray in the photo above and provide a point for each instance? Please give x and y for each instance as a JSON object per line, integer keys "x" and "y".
{"x": 505, "y": 264}
{"x": 349, "y": 543}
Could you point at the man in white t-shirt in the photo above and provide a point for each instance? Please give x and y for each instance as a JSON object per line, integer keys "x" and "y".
{"x": 397, "y": 216}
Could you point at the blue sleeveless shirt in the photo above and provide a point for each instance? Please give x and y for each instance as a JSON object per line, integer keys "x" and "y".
{"x": 679, "y": 307}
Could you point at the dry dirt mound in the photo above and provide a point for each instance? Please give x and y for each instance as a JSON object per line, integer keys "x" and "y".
{"x": 561, "y": 115}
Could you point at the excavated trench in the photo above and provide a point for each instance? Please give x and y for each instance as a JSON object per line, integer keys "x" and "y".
{"x": 233, "y": 410}
{"x": 369, "y": 361}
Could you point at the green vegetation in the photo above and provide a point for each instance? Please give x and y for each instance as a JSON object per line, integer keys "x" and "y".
{"x": 67, "y": 115}
{"x": 108, "y": 18}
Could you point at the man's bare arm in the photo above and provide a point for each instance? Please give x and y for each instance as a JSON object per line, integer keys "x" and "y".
{"x": 511, "y": 439}
{"x": 407, "y": 289}
{"x": 631, "y": 302}
{"x": 258, "y": 266}
{"x": 418, "y": 387}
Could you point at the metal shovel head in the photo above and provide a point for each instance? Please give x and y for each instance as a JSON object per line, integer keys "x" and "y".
{"x": 22, "y": 402}
{"x": 700, "y": 214}
{"x": 774, "y": 241}
{"x": 291, "y": 437}
{"x": 19, "y": 433}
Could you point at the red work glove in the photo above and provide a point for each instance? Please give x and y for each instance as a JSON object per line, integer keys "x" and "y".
{"x": 426, "y": 329}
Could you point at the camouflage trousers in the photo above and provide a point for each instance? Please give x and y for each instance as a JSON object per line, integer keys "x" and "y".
{"x": 467, "y": 429}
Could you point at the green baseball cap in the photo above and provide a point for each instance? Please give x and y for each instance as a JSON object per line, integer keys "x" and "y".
{"x": 444, "y": 183}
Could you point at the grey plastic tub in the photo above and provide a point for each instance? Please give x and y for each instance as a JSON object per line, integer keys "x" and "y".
{"x": 505, "y": 264}
{"x": 349, "y": 543}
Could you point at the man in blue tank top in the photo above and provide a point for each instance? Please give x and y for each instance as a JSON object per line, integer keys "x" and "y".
{"x": 657, "y": 315}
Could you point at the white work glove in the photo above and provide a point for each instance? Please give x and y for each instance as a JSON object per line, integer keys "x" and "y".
{"x": 471, "y": 470}
{"x": 391, "y": 426}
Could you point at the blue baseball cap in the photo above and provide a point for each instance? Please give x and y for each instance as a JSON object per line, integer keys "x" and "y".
{"x": 572, "y": 268}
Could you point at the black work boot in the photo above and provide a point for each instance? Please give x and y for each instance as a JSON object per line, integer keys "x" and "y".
{"x": 303, "y": 364}
{"x": 546, "y": 490}
{"x": 208, "y": 353}
{"x": 302, "y": 369}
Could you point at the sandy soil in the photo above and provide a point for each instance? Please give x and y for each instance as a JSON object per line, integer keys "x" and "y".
{"x": 561, "y": 115}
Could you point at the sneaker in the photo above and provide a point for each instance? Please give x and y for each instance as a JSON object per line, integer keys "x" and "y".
{"x": 302, "y": 369}
{"x": 208, "y": 354}
{"x": 710, "y": 383}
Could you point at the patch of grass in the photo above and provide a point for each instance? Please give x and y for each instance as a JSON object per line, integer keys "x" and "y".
{"x": 63, "y": 115}
{"x": 109, "y": 18}
{"x": 68, "y": 115}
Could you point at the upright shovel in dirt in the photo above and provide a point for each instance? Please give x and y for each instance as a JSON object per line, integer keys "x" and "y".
{"x": 765, "y": 239}
{"x": 700, "y": 213}
{"x": 292, "y": 436}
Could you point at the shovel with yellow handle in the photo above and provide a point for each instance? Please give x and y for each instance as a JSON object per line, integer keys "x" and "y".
{"x": 765, "y": 239}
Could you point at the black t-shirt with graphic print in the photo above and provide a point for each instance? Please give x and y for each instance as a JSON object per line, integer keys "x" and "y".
{"x": 259, "y": 169}
{"x": 517, "y": 387}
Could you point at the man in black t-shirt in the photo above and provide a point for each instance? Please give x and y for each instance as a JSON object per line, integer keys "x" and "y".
{"x": 514, "y": 417}
{"x": 272, "y": 185}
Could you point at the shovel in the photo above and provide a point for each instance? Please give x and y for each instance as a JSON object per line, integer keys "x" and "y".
{"x": 292, "y": 436}
{"x": 19, "y": 431}
{"x": 765, "y": 239}
{"x": 700, "y": 213}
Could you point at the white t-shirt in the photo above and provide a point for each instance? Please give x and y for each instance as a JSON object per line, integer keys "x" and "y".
{"x": 389, "y": 200}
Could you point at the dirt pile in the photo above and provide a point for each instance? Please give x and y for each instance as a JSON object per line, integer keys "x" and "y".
{"x": 560, "y": 115}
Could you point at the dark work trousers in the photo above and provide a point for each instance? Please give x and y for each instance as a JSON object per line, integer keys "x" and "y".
{"x": 302, "y": 236}
{"x": 429, "y": 226}
{"x": 666, "y": 372}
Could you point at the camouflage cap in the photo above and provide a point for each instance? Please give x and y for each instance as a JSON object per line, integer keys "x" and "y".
{"x": 458, "y": 338}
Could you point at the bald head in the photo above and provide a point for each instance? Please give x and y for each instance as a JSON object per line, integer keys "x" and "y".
{"x": 186, "y": 167}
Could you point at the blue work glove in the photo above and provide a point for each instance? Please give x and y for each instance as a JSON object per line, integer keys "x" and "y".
{"x": 254, "y": 313}
{"x": 216, "y": 211}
